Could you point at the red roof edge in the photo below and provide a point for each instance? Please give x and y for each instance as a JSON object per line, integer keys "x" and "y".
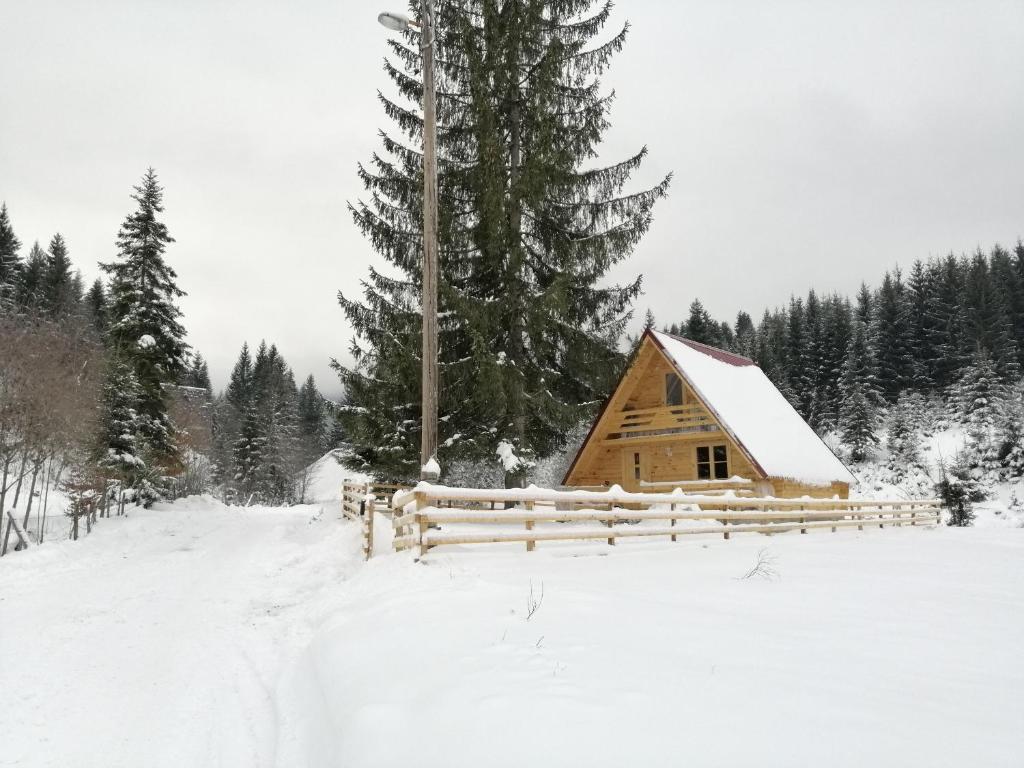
{"x": 721, "y": 355}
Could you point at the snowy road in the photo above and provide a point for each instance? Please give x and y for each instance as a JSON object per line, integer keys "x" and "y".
{"x": 157, "y": 641}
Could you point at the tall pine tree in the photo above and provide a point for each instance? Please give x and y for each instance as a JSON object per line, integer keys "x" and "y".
{"x": 529, "y": 228}
{"x": 144, "y": 318}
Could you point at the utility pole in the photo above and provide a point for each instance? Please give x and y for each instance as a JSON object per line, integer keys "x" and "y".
{"x": 429, "y": 468}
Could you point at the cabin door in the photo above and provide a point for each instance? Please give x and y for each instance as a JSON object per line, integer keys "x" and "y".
{"x": 636, "y": 468}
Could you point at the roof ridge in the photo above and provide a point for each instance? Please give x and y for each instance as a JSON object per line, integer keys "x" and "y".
{"x": 723, "y": 355}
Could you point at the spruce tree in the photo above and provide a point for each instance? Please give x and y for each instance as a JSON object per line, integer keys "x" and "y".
{"x": 833, "y": 343}
{"x": 891, "y": 336}
{"x": 959, "y": 492}
{"x": 144, "y": 319}
{"x": 1010, "y": 434}
{"x": 10, "y": 261}
{"x": 859, "y": 410}
{"x": 58, "y": 289}
{"x": 800, "y": 382}
{"x": 919, "y": 288}
{"x": 529, "y": 229}
{"x": 988, "y": 324}
{"x": 197, "y": 374}
{"x": 29, "y": 293}
{"x": 312, "y": 427}
{"x": 745, "y": 334}
{"x": 119, "y": 453}
{"x": 96, "y": 306}
{"x": 980, "y": 397}
{"x": 699, "y": 325}
{"x": 944, "y": 328}
{"x": 901, "y": 438}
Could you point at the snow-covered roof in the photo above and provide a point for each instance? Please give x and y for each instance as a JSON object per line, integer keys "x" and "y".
{"x": 754, "y": 412}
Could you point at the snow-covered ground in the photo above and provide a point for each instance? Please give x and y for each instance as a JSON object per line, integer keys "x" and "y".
{"x": 195, "y": 634}
{"x": 159, "y": 639}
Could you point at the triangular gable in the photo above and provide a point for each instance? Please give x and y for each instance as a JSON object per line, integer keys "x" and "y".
{"x": 755, "y": 413}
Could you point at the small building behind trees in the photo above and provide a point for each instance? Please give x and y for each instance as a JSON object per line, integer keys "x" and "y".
{"x": 688, "y": 415}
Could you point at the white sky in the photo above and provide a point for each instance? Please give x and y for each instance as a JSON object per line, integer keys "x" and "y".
{"x": 813, "y": 144}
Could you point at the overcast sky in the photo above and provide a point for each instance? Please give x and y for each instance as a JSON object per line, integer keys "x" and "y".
{"x": 813, "y": 144}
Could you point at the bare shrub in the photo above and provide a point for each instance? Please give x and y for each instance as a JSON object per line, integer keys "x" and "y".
{"x": 764, "y": 568}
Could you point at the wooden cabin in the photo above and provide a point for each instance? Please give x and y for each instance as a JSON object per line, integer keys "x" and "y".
{"x": 689, "y": 415}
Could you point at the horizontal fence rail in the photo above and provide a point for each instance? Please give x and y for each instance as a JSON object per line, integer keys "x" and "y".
{"x": 430, "y": 515}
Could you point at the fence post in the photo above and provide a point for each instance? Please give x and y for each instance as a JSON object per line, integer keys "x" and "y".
{"x": 803, "y": 508}
{"x": 368, "y": 522}
{"x": 529, "y": 526}
{"x": 421, "y": 524}
{"x": 610, "y": 522}
{"x": 672, "y": 522}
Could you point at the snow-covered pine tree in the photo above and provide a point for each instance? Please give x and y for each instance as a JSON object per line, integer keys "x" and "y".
{"x": 59, "y": 292}
{"x": 29, "y": 291}
{"x": 529, "y": 228}
{"x": 858, "y": 413}
{"x": 119, "y": 453}
{"x": 1010, "y": 433}
{"x": 96, "y": 306}
{"x": 1008, "y": 277}
{"x": 814, "y": 370}
{"x": 800, "y": 382}
{"x": 312, "y": 425}
{"x": 988, "y": 324}
{"x": 197, "y": 374}
{"x": 901, "y": 437}
{"x": 275, "y": 398}
{"x": 891, "y": 337}
{"x": 248, "y": 455}
{"x": 918, "y": 290}
{"x": 770, "y": 351}
{"x": 944, "y": 328}
{"x": 746, "y": 335}
{"x": 144, "y": 318}
{"x": 959, "y": 491}
{"x": 980, "y": 397}
{"x": 10, "y": 261}
{"x": 699, "y": 325}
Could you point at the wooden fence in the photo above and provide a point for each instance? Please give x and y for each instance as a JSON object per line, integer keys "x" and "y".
{"x": 418, "y": 513}
{"x": 360, "y": 501}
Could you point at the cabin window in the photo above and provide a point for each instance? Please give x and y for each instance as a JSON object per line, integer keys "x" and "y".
{"x": 636, "y": 466}
{"x": 673, "y": 389}
{"x": 712, "y": 462}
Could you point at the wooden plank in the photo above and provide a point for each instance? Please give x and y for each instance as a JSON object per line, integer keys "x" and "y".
{"x": 598, "y": 497}
{"x": 439, "y": 539}
{"x": 519, "y": 515}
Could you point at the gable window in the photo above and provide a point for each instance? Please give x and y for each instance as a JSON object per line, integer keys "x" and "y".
{"x": 712, "y": 462}
{"x": 673, "y": 389}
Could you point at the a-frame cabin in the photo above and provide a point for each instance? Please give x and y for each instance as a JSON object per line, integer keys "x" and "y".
{"x": 689, "y": 415}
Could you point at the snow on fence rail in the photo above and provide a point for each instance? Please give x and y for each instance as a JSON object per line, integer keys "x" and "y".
{"x": 417, "y": 513}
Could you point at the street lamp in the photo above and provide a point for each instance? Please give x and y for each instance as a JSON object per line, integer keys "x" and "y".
{"x": 429, "y": 468}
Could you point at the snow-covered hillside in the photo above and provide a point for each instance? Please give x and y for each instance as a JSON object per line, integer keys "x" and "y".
{"x": 1004, "y": 506}
{"x": 203, "y": 635}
